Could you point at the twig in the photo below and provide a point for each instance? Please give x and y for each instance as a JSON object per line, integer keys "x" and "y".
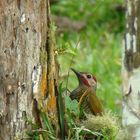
{"x": 71, "y": 64}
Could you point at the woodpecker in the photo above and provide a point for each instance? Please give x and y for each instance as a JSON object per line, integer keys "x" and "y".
{"x": 85, "y": 93}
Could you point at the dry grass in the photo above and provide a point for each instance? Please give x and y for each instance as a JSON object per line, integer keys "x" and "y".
{"x": 106, "y": 124}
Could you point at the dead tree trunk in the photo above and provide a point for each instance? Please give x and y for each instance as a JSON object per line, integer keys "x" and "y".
{"x": 131, "y": 71}
{"x": 27, "y": 63}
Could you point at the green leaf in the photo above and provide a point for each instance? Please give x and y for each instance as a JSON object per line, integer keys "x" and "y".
{"x": 47, "y": 125}
{"x": 72, "y": 105}
{"x": 60, "y": 106}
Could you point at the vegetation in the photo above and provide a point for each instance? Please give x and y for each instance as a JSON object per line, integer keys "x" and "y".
{"x": 71, "y": 126}
{"x": 93, "y": 47}
{"x": 99, "y": 45}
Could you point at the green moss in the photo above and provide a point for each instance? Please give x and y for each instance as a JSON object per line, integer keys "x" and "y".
{"x": 106, "y": 124}
{"x": 43, "y": 57}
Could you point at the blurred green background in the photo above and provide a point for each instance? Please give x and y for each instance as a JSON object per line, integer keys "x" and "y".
{"x": 97, "y": 26}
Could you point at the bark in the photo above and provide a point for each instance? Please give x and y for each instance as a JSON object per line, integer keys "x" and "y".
{"x": 131, "y": 72}
{"x": 27, "y": 64}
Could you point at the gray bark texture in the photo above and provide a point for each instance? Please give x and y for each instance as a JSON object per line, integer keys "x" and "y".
{"x": 131, "y": 72}
{"x": 27, "y": 63}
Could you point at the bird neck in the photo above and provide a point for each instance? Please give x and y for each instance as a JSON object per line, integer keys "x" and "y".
{"x": 85, "y": 87}
{"x": 80, "y": 90}
{"x": 76, "y": 93}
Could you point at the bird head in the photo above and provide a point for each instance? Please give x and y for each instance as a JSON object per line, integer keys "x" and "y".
{"x": 86, "y": 79}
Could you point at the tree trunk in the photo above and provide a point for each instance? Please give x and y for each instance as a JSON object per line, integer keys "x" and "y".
{"x": 27, "y": 64}
{"x": 131, "y": 72}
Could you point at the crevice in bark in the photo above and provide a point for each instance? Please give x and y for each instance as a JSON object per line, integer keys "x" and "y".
{"x": 36, "y": 113}
{"x": 138, "y": 24}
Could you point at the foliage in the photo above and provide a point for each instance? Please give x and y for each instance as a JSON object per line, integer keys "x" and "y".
{"x": 99, "y": 50}
{"x": 71, "y": 126}
{"x": 41, "y": 133}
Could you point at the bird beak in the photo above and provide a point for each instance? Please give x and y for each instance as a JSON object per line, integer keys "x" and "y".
{"x": 78, "y": 74}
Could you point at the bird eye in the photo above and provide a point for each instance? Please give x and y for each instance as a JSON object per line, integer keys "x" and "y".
{"x": 88, "y": 76}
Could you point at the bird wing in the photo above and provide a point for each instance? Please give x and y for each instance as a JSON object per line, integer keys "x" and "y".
{"x": 94, "y": 103}
{"x": 77, "y": 93}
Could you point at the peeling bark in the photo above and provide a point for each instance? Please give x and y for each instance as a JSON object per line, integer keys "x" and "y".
{"x": 131, "y": 71}
{"x": 23, "y": 63}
